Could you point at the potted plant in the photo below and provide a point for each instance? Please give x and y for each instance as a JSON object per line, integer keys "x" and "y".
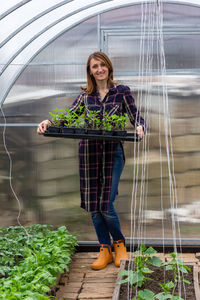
{"x": 79, "y": 121}
{"x": 79, "y": 124}
{"x": 119, "y": 124}
{"x": 74, "y": 121}
{"x": 68, "y": 121}
{"x": 57, "y": 116}
{"x": 107, "y": 124}
{"x": 93, "y": 122}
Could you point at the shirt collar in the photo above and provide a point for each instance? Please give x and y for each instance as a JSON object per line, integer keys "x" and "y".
{"x": 112, "y": 90}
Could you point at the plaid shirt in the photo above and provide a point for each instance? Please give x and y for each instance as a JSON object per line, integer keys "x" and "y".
{"x": 96, "y": 156}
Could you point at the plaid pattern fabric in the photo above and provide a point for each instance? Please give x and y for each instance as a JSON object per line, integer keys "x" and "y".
{"x": 96, "y": 156}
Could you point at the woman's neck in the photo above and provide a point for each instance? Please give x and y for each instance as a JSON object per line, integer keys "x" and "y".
{"x": 102, "y": 86}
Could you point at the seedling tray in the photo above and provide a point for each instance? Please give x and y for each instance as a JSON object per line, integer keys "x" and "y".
{"x": 131, "y": 137}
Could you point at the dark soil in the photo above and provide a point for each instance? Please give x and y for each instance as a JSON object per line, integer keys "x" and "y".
{"x": 159, "y": 276}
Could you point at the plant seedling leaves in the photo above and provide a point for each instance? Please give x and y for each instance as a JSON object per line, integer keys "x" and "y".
{"x": 170, "y": 285}
{"x": 147, "y": 270}
{"x": 45, "y": 288}
{"x": 182, "y": 269}
{"x": 163, "y": 296}
{"x": 62, "y": 229}
{"x": 150, "y": 251}
{"x": 155, "y": 261}
{"x": 169, "y": 268}
{"x": 123, "y": 281}
{"x": 125, "y": 272}
{"x": 174, "y": 255}
{"x": 142, "y": 248}
{"x": 146, "y": 295}
{"x": 132, "y": 277}
{"x": 186, "y": 281}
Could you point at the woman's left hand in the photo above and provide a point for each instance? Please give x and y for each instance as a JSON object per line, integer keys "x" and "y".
{"x": 140, "y": 131}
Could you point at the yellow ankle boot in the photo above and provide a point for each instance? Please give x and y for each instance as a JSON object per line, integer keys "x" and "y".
{"x": 120, "y": 251}
{"x": 105, "y": 257}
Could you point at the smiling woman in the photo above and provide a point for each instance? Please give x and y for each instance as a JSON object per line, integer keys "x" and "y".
{"x": 101, "y": 162}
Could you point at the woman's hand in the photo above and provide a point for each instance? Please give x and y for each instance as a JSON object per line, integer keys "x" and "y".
{"x": 42, "y": 127}
{"x": 140, "y": 131}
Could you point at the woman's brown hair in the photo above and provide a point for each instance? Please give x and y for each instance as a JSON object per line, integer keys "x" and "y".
{"x": 91, "y": 83}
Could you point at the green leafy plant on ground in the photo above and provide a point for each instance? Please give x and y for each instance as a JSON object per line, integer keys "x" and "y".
{"x": 177, "y": 266}
{"x": 30, "y": 264}
{"x": 142, "y": 261}
{"x": 137, "y": 277}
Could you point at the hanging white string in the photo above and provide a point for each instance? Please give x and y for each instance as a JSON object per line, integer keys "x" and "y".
{"x": 169, "y": 145}
{"x": 10, "y": 174}
{"x": 151, "y": 28}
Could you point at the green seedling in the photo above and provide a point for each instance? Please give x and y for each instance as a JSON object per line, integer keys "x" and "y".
{"x": 143, "y": 258}
{"x": 119, "y": 122}
{"x": 93, "y": 119}
{"x": 57, "y": 116}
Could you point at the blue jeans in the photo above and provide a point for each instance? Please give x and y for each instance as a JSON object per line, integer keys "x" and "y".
{"x": 107, "y": 223}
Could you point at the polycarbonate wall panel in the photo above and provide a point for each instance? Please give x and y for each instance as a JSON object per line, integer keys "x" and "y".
{"x": 180, "y": 15}
{"x": 73, "y": 46}
{"x": 122, "y": 17}
{"x": 189, "y": 57}
{"x": 45, "y": 170}
{"x": 56, "y": 74}
{"x": 174, "y": 14}
{"x": 127, "y": 62}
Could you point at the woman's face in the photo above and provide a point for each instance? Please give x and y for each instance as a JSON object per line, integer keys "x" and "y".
{"x": 99, "y": 69}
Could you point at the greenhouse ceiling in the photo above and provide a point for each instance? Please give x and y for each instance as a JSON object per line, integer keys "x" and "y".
{"x": 29, "y": 26}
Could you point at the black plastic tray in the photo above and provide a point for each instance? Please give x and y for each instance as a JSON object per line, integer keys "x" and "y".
{"x": 131, "y": 137}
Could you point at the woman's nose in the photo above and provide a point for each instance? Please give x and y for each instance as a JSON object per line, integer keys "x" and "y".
{"x": 99, "y": 68}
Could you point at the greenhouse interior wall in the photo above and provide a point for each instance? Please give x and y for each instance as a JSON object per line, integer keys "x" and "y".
{"x": 42, "y": 69}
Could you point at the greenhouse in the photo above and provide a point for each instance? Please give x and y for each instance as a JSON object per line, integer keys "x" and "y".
{"x": 154, "y": 46}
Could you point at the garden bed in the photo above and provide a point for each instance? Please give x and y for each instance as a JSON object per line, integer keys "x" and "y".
{"x": 32, "y": 259}
{"x": 188, "y": 291}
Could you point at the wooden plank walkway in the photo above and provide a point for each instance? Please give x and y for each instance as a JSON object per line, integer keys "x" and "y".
{"x": 84, "y": 283}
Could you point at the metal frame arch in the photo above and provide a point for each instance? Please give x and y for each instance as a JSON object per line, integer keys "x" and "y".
{"x": 33, "y": 19}
{"x": 35, "y": 34}
{"x": 12, "y": 8}
{"x": 24, "y": 57}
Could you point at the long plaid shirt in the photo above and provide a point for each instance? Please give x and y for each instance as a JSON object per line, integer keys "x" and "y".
{"x": 96, "y": 156}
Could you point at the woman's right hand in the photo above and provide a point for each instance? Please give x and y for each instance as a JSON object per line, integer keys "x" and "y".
{"x": 42, "y": 127}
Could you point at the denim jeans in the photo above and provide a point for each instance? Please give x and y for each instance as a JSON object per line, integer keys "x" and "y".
{"x": 107, "y": 223}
